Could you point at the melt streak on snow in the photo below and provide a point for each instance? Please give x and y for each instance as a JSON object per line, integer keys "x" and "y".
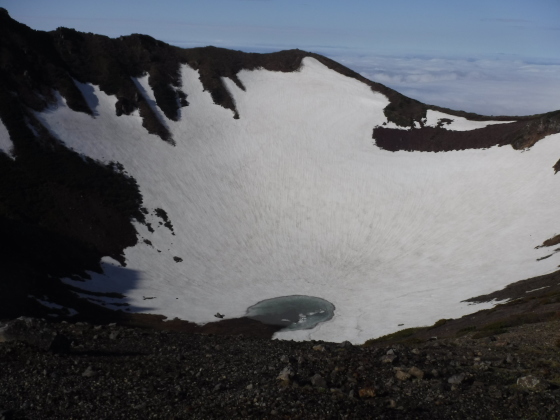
{"x": 294, "y": 198}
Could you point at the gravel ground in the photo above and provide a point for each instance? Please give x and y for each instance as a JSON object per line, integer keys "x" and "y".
{"x": 82, "y": 371}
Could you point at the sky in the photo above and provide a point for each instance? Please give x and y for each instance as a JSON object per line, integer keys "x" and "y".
{"x": 496, "y": 57}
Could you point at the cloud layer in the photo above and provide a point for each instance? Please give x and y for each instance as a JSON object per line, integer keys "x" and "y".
{"x": 499, "y": 86}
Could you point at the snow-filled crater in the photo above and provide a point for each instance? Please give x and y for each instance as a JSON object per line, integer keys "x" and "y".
{"x": 294, "y": 198}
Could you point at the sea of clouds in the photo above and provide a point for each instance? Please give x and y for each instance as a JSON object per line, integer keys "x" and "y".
{"x": 489, "y": 86}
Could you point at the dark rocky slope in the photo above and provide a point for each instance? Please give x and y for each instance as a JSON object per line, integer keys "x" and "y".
{"x": 55, "y": 371}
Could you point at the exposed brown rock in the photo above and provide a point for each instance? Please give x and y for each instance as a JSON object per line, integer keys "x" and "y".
{"x": 519, "y": 134}
{"x": 555, "y": 240}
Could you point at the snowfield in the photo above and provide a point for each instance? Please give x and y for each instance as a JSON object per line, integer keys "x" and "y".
{"x": 294, "y": 198}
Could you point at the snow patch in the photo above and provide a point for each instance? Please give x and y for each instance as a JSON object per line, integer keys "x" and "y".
{"x": 52, "y": 305}
{"x": 457, "y": 123}
{"x": 534, "y": 290}
{"x": 88, "y": 92}
{"x": 148, "y": 94}
{"x": 6, "y": 144}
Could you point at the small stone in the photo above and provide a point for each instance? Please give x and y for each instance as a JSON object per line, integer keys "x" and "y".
{"x": 417, "y": 373}
{"x": 415, "y": 351}
{"x": 285, "y": 375}
{"x": 319, "y": 348}
{"x": 389, "y": 358}
{"x": 528, "y": 382}
{"x": 114, "y": 335}
{"x": 3, "y": 336}
{"x": 88, "y": 373}
{"x": 391, "y": 404}
{"x": 366, "y": 393}
{"x": 402, "y": 376}
{"x": 318, "y": 381}
{"x": 456, "y": 379}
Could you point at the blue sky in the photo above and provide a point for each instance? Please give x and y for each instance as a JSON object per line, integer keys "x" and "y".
{"x": 491, "y": 47}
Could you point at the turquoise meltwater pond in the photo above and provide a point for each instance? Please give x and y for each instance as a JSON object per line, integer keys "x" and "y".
{"x": 295, "y": 312}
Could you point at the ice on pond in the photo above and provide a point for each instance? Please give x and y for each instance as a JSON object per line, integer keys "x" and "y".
{"x": 295, "y": 312}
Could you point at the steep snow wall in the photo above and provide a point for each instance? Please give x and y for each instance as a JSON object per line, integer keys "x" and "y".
{"x": 295, "y": 198}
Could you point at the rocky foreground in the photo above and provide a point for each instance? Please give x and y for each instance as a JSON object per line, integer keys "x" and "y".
{"x": 80, "y": 371}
